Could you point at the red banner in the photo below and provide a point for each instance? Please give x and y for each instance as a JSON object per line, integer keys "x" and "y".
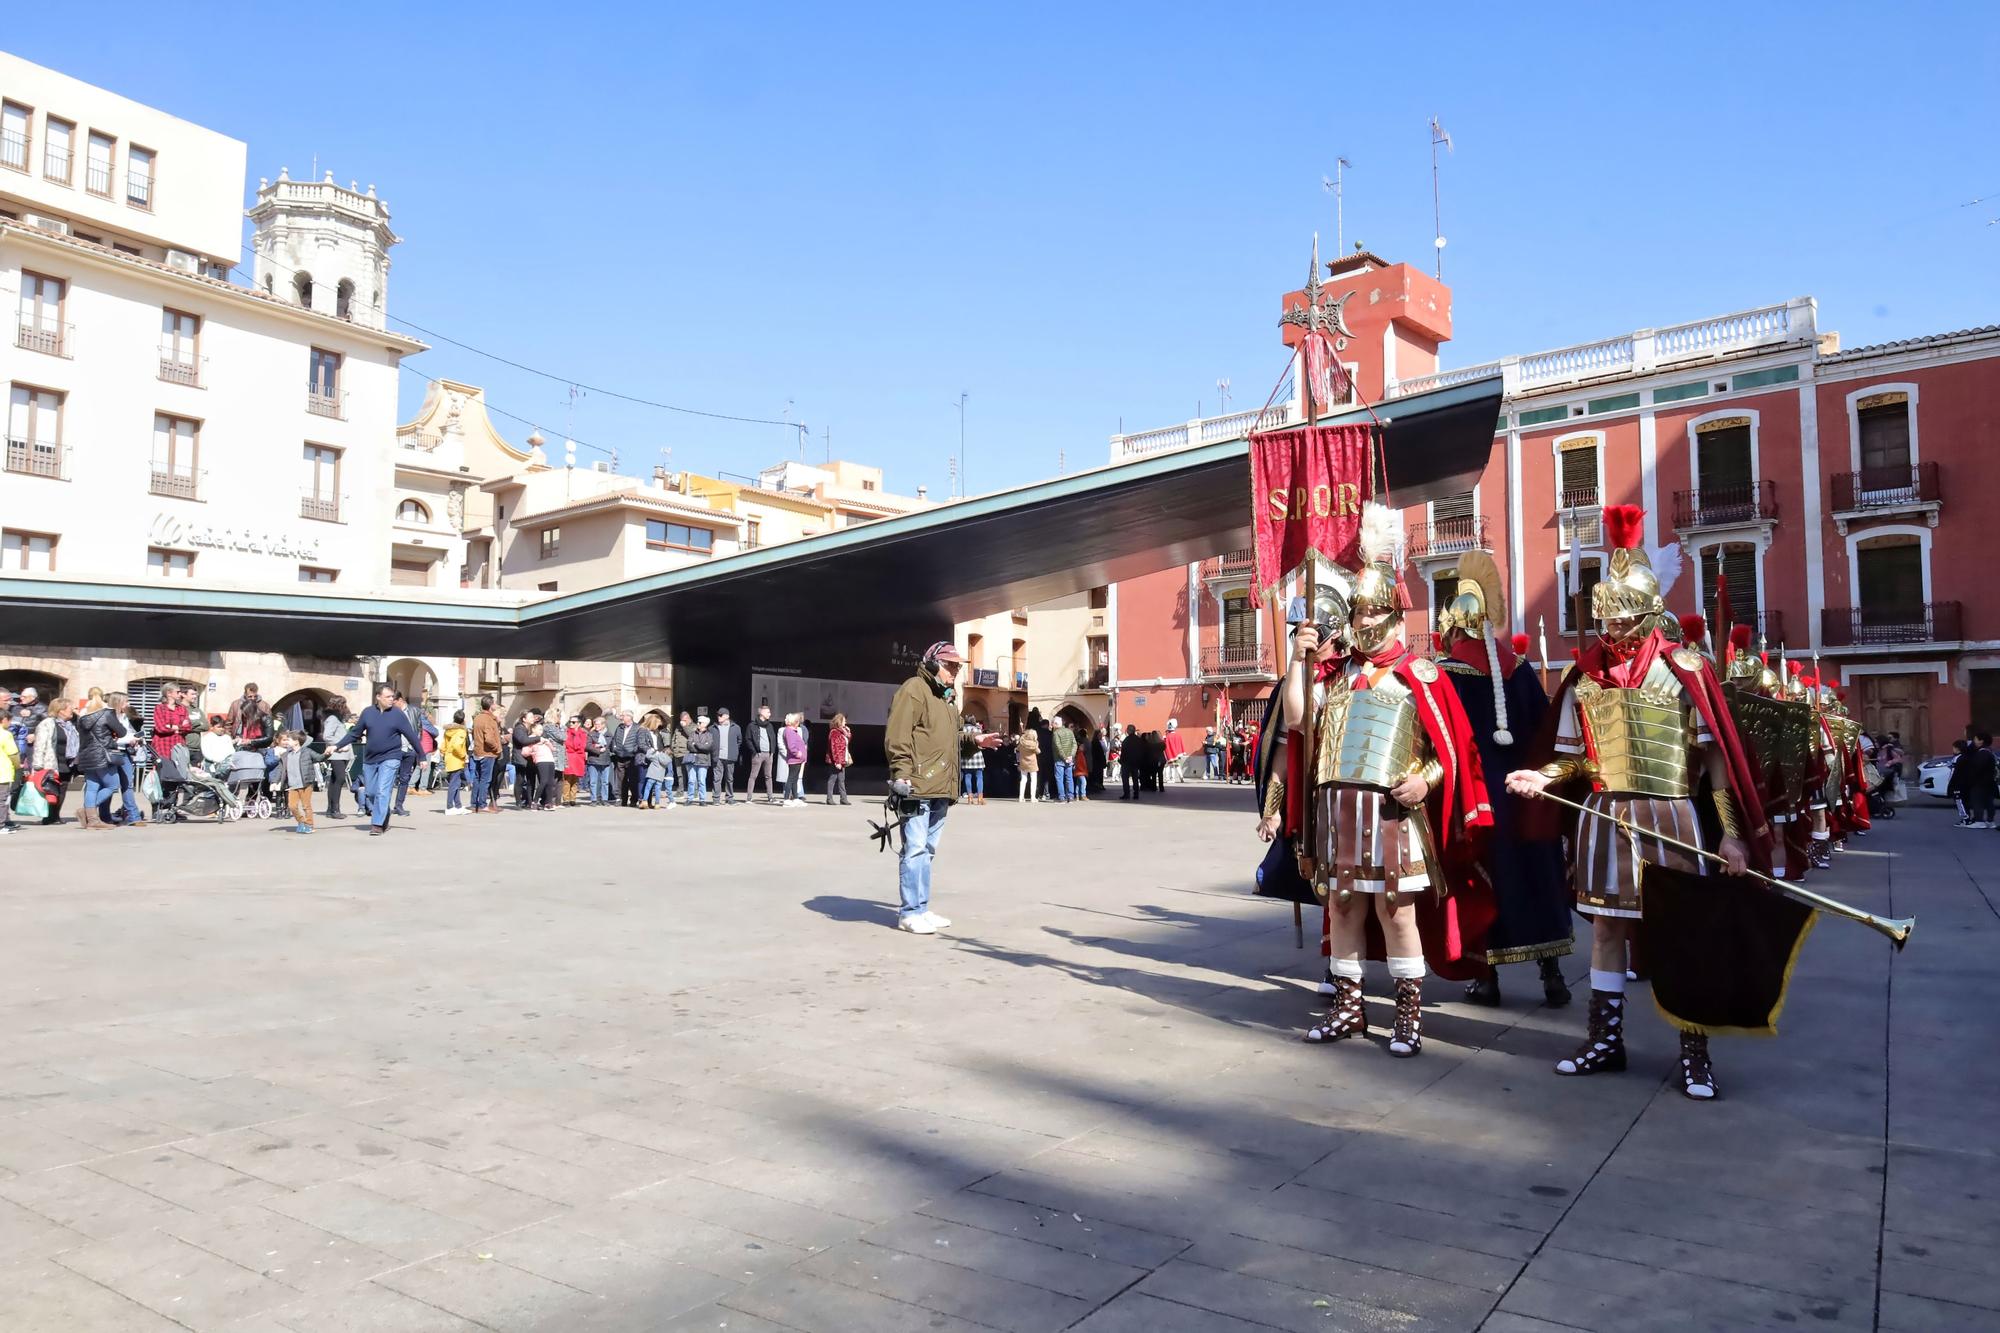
{"x": 1307, "y": 486}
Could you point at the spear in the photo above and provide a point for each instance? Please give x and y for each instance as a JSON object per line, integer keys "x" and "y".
{"x": 1542, "y": 627}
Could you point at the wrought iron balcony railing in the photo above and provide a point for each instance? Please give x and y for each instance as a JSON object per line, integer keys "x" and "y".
{"x": 1449, "y": 536}
{"x": 1886, "y": 488}
{"x": 1921, "y": 622}
{"x": 1218, "y": 663}
{"x": 1720, "y": 506}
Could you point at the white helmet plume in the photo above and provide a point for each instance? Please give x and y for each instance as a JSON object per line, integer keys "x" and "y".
{"x": 1381, "y": 535}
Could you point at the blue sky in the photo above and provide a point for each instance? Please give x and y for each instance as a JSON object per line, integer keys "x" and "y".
{"x": 1078, "y": 215}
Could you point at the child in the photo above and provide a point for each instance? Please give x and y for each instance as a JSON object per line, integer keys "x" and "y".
{"x": 299, "y": 774}
{"x": 457, "y": 741}
{"x": 659, "y": 778}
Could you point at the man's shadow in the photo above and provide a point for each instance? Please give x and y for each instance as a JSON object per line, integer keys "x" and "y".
{"x": 835, "y": 908}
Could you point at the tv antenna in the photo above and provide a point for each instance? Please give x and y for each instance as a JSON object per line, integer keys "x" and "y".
{"x": 1222, "y": 392}
{"x": 1438, "y": 136}
{"x": 1336, "y": 185}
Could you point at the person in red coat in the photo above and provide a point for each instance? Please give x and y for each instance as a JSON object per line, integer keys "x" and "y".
{"x": 1397, "y": 799}
{"x": 576, "y": 748}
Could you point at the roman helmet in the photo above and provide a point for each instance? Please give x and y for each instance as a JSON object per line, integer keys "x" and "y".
{"x": 1477, "y": 610}
{"x": 1377, "y": 584}
{"x": 1632, "y": 590}
{"x": 1694, "y": 633}
{"x": 1744, "y": 666}
{"x": 1332, "y": 588}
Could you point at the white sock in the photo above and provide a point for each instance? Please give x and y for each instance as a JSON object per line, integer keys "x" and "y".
{"x": 1407, "y": 969}
{"x": 1350, "y": 968}
{"x": 1821, "y": 837}
{"x": 1612, "y": 982}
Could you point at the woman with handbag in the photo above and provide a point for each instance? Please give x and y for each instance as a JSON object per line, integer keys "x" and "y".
{"x": 54, "y": 758}
{"x": 97, "y": 744}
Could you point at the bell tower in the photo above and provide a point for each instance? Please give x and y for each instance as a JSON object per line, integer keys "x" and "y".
{"x": 323, "y": 247}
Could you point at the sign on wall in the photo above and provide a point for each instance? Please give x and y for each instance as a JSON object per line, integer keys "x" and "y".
{"x": 173, "y": 532}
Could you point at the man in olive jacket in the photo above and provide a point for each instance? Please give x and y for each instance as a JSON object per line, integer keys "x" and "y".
{"x": 922, "y": 744}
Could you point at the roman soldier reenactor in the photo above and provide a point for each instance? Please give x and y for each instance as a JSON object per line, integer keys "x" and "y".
{"x": 1397, "y": 796}
{"x": 1638, "y": 724}
{"x": 1505, "y": 704}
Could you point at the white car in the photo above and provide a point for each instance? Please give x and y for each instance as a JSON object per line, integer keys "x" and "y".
{"x": 1936, "y": 775}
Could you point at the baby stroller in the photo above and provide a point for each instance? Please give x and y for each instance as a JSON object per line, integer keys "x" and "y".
{"x": 248, "y": 777}
{"x": 196, "y": 789}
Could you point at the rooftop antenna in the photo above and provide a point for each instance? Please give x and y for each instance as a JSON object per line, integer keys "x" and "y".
{"x": 1438, "y": 136}
{"x": 829, "y": 444}
{"x": 962, "y": 395}
{"x": 1337, "y": 188}
{"x": 1222, "y": 392}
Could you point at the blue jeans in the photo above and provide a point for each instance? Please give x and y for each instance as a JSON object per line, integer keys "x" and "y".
{"x": 482, "y": 781}
{"x": 975, "y": 781}
{"x": 1214, "y": 765}
{"x": 599, "y": 778}
{"x": 1065, "y": 779}
{"x": 99, "y": 786}
{"x": 921, "y": 828}
{"x": 128, "y": 804}
{"x": 453, "y": 780}
{"x": 380, "y": 781}
{"x": 649, "y": 790}
{"x": 697, "y": 784}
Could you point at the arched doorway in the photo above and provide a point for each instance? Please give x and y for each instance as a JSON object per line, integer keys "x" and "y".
{"x": 311, "y": 705}
{"x": 590, "y": 712}
{"x": 1071, "y": 715}
{"x": 45, "y": 686}
{"x": 416, "y": 681}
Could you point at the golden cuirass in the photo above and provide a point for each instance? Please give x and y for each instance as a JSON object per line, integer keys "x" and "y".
{"x": 1367, "y": 738}
{"x": 1641, "y": 738}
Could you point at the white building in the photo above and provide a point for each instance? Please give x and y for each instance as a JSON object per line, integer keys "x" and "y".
{"x": 165, "y": 423}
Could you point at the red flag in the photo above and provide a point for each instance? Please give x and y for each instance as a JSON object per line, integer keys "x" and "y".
{"x": 1307, "y": 486}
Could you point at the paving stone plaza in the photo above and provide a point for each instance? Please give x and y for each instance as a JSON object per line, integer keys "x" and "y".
{"x": 676, "y": 1072}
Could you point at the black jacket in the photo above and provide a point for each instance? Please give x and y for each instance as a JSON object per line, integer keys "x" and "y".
{"x": 700, "y": 747}
{"x": 728, "y": 741}
{"x": 97, "y": 740}
{"x": 627, "y": 741}
{"x": 750, "y": 730}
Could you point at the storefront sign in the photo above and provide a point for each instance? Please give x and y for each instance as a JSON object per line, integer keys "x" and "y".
{"x": 173, "y": 532}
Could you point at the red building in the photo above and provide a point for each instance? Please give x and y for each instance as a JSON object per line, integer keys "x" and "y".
{"x": 1844, "y": 493}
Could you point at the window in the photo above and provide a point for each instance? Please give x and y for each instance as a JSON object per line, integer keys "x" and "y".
{"x": 1576, "y": 489}
{"x": 1239, "y": 627}
{"x": 59, "y": 151}
{"x": 31, "y": 551}
{"x": 409, "y": 573}
{"x": 1737, "y": 561}
{"x": 662, "y": 535}
{"x": 343, "y": 299}
{"x": 41, "y": 323}
{"x": 1885, "y": 441}
{"x": 1454, "y": 522}
{"x": 309, "y": 574}
{"x": 1444, "y": 587}
{"x": 545, "y": 587}
{"x": 1722, "y": 461}
{"x": 34, "y": 431}
{"x": 14, "y": 121}
{"x": 175, "y": 441}
{"x": 323, "y": 383}
{"x": 867, "y": 485}
{"x": 412, "y": 511}
{"x": 180, "y": 347}
{"x": 167, "y": 564}
{"x": 320, "y": 497}
{"x": 1890, "y": 572}
{"x": 139, "y": 177}
{"x": 302, "y": 288}
{"x": 1100, "y": 598}
{"x": 99, "y": 151}
{"x": 551, "y": 542}
{"x": 755, "y": 538}
{"x": 1576, "y": 610}
{"x": 975, "y": 650}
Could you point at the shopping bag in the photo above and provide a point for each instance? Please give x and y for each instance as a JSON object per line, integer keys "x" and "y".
{"x": 31, "y": 804}
{"x": 149, "y": 787}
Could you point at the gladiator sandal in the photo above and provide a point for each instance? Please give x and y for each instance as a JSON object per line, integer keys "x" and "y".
{"x": 1603, "y": 1050}
{"x": 1697, "y": 1073}
{"x": 1555, "y": 991}
{"x": 1821, "y": 855}
{"x": 1343, "y": 1017}
{"x": 1408, "y": 1037}
{"x": 1484, "y": 989}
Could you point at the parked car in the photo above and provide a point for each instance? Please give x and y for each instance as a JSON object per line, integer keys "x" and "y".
{"x": 1936, "y": 775}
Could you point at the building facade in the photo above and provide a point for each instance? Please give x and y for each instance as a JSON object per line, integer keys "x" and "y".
{"x": 1839, "y": 493}
{"x": 164, "y": 423}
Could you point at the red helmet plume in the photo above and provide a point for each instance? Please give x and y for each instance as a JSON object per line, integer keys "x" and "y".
{"x": 1694, "y": 628}
{"x": 1520, "y": 645}
{"x": 1624, "y": 526}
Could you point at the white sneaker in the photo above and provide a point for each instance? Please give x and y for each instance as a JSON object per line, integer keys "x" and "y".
{"x": 938, "y": 922}
{"x": 919, "y": 924}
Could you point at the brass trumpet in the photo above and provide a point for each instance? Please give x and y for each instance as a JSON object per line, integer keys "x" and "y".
{"x": 1896, "y": 928}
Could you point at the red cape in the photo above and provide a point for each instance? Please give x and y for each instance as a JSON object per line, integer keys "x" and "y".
{"x": 1459, "y": 812}
{"x": 1745, "y": 773}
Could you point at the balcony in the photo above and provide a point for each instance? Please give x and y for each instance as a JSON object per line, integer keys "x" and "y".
{"x": 1726, "y": 506}
{"x": 1093, "y": 678}
{"x": 1201, "y": 430}
{"x": 325, "y": 508}
{"x": 1230, "y": 564}
{"x": 97, "y": 179}
{"x": 326, "y": 404}
{"x": 658, "y": 675}
{"x": 538, "y": 676}
{"x": 1449, "y": 536}
{"x": 176, "y": 485}
{"x": 1222, "y": 663}
{"x": 1881, "y": 492}
{"x": 1887, "y": 626}
{"x": 35, "y": 458}
{"x": 176, "y": 369}
{"x": 1579, "y": 518}
{"x": 43, "y": 336}
{"x": 1004, "y": 674}
{"x": 13, "y": 150}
